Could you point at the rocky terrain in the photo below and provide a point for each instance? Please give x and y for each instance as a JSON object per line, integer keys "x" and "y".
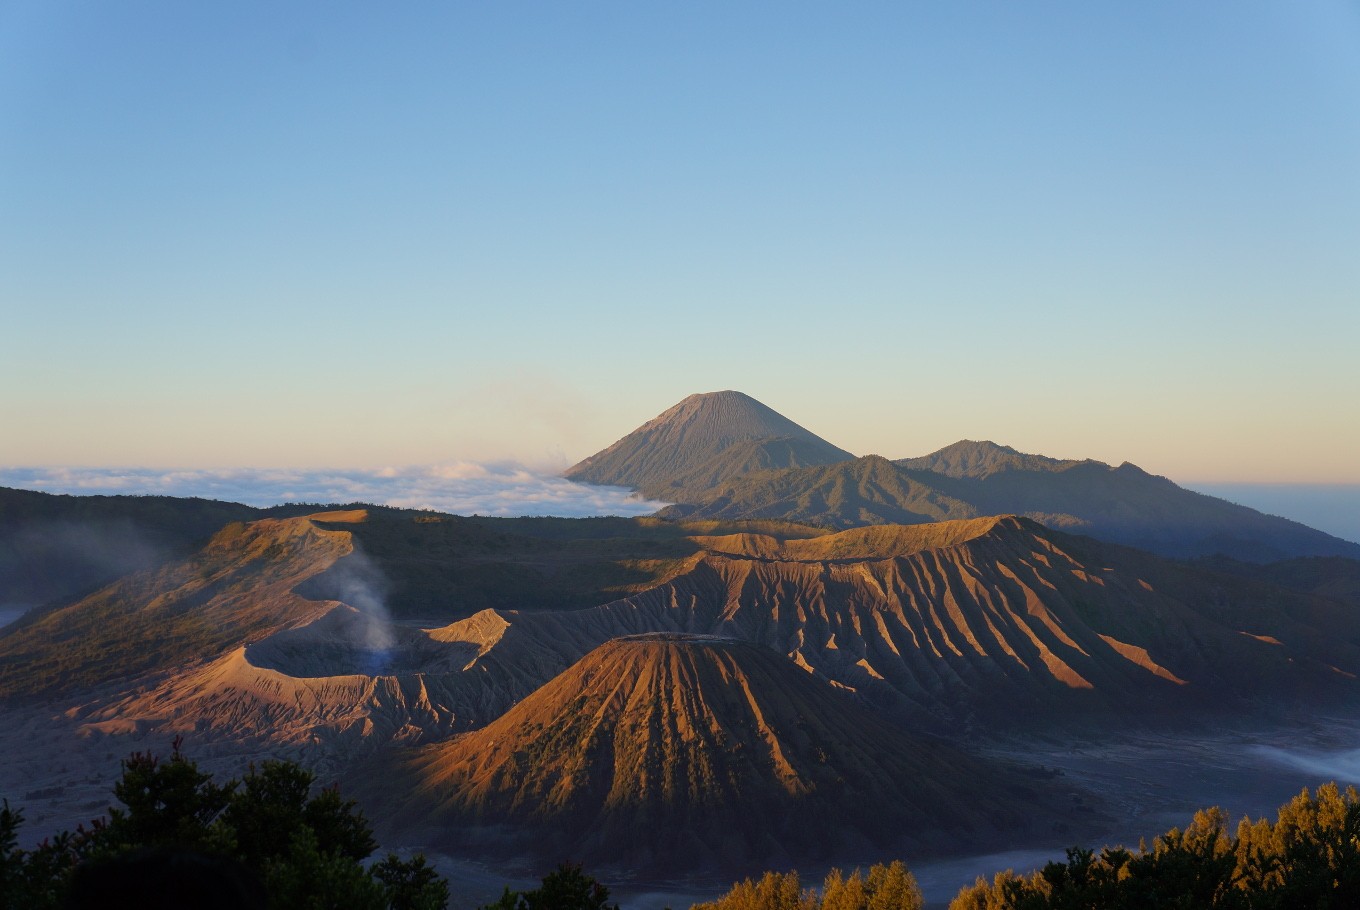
{"x": 673, "y": 752}
{"x": 808, "y": 656}
{"x": 702, "y": 441}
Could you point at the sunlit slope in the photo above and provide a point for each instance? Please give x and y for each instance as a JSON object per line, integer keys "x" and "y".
{"x": 701, "y": 441}
{"x": 981, "y": 618}
{"x": 994, "y": 620}
{"x": 678, "y": 753}
{"x": 237, "y": 588}
{"x": 333, "y": 666}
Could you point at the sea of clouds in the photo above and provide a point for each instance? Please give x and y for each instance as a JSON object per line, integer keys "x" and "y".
{"x": 501, "y": 488}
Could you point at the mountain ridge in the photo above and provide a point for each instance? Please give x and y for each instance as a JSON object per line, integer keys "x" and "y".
{"x": 974, "y": 458}
{"x": 750, "y": 476}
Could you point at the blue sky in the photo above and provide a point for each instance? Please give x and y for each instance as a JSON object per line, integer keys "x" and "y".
{"x": 321, "y": 235}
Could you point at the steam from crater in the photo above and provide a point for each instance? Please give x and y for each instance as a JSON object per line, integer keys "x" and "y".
{"x": 357, "y": 582}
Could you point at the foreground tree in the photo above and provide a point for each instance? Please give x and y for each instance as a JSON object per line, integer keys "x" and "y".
{"x": 305, "y": 850}
{"x": 889, "y": 887}
{"x": 565, "y": 888}
{"x": 1309, "y": 857}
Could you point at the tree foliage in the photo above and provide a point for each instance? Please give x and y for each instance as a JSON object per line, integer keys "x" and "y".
{"x": 565, "y": 888}
{"x": 1309, "y": 857}
{"x": 885, "y": 887}
{"x": 306, "y": 849}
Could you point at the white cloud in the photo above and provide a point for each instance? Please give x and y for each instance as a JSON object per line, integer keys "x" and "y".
{"x": 462, "y": 488}
{"x": 463, "y": 470}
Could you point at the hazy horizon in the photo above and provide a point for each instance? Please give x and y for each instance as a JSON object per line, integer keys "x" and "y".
{"x": 508, "y": 489}
{"x": 260, "y": 237}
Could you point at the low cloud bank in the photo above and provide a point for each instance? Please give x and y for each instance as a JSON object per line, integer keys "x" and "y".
{"x": 463, "y": 488}
{"x": 1342, "y": 766}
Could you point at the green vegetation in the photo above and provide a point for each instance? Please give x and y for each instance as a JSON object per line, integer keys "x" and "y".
{"x": 565, "y": 888}
{"x": 849, "y": 494}
{"x": 889, "y": 887}
{"x": 306, "y": 850}
{"x": 1309, "y": 857}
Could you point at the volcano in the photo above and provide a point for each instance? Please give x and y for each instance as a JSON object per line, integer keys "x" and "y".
{"x": 702, "y": 441}
{"x": 683, "y": 752}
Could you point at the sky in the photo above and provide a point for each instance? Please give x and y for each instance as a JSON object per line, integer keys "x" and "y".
{"x": 292, "y": 237}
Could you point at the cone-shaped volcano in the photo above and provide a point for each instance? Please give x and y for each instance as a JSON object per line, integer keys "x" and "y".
{"x": 703, "y": 440}
{"x": 676, "y": 753}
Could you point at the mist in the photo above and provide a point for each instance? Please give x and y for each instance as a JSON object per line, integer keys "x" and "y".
{"x": 49, "y": 560}
{"x": 1342, "y": 766}
{"x": 10, "y": 612}
{"x": 502, "y": 488}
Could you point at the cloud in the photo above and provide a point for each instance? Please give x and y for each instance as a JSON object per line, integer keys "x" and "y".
{"x": 502, "y": 488}
{"x": 465, "y": 470}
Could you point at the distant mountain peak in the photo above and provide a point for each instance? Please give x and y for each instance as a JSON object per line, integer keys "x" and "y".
{"x": 974, "y": 458}
{"x": 728, "y": 415}
{"x": 702, "y": 440}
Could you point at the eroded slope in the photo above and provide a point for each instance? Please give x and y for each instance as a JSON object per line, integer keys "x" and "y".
{"x": 678, "y": 752}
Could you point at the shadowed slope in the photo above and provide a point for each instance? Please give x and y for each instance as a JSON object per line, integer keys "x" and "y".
{"x": 1326, "y": 576}
{"x": 865, "y": 491}
{"x": 58, "y": 546}
{"x": 678, "y": 753}
{"x": 702, "y": 440}
{"x": 1123, "y": 505}
{"x": 441, "y": 568}
{"x": 968, "y": 458}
